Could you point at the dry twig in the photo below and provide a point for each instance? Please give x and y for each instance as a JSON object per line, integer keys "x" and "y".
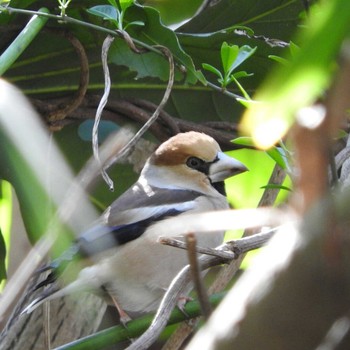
{"x": 202, "y": 295}
{"x": 180, "y": 282}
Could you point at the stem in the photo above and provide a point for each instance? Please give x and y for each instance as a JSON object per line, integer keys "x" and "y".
{"x": 72, "y": 20}
{"x": 224, "y": 91}
{"x": 116, "y": 334}
{"x": 25, "y": 37}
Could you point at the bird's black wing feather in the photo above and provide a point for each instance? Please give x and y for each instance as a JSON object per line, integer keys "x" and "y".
{"x": 105, "y": 238}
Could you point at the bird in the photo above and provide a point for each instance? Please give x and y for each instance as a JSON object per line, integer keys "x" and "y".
{"x": 125, "y": 263}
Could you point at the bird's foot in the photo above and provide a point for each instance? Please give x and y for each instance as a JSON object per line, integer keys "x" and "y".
{"x": 124, "y": 318}
{"x": 182, "y": 301}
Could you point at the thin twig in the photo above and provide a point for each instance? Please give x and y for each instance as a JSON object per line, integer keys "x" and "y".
{"x": 78, "y": 97}
{"x": 104, "y": 57}
{"x": 128, "y": 147}
{"x": 165, "y": 117}
{"x": 231, "y": 249}
{"x": 247, "y": 244}
{"x": 118, "y": 110}
{"x": 202, "y": 250}
{"x": 196, "y": 275}
{"x": 225, "y": 92}
{"x": 131, "y": 42}
{"x": 178, "y": 286}
{"x": 168, "y": 303}
{"x": 106, "y": 45}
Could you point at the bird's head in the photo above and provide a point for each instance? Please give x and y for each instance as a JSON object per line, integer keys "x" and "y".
{"x": 192, "y": 161}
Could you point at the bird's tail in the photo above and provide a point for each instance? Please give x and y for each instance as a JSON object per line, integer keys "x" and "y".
{"x": 84, "y": 283}
{"x": 49, "y": 294}
{"x": 56, "y": 268}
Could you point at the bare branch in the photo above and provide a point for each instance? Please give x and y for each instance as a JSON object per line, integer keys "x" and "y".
{"x": 180, "y": 282}
{"x": 196, "y": 275}
{"x": 203, "y": 250}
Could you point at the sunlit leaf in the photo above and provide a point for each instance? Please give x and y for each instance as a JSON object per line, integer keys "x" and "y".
{"x": 244, "y": 141}
{"x": 124, "y": 4}
{"x": 277, "y": 154}
{"x": 299, "y": 83}
{"x": 3, "y": 274}
{"x": 279, "y": 59}
{"x": 241, "y": 88}
{"x": 244, "y": 190}
{"x": 279, "y": 187}
{"x": 5, "y": 225}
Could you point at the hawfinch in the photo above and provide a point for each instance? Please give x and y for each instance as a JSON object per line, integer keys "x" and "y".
{"x": 184, "y": 175}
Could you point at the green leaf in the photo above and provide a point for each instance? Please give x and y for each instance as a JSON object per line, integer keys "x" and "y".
{"x": 244, "y": 190}
{"x": 244, "y": 53}
{"x": 241, "y": 88}
{"x": 304, "y": 79}
{"x": 135, "y": 23}
{"x": 147, "y": 65}
{"x": 124, "y": 4}
{"x": 277, "y": 154}
{"x": 229, "y": 54}
{"x": 242, "y": 74}
{"x": 231, "y": 57}
{"x": 244, "y": 141}
{"x": 274, "y": 186}
{"x": 201, "y": 39}
{"x": 107, "y": 12}
{"x": 212, "y": 69}
{"x": 153, "y": 33}
{"x": 278, "y": 59}
{"x": 294, "y": 49}
{"x": 5, "y": 226}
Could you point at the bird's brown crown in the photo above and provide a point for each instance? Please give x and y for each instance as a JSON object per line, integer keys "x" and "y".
{"x": 180, "y": 147}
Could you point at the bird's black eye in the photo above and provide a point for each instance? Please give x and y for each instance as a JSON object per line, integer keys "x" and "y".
{"x": 195, "y": 163}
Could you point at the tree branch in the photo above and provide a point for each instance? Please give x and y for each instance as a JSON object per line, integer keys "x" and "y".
{"x": 177, "y": 287}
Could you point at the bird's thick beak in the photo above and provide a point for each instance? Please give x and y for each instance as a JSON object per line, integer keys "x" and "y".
{"x": 225, "y": 167}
